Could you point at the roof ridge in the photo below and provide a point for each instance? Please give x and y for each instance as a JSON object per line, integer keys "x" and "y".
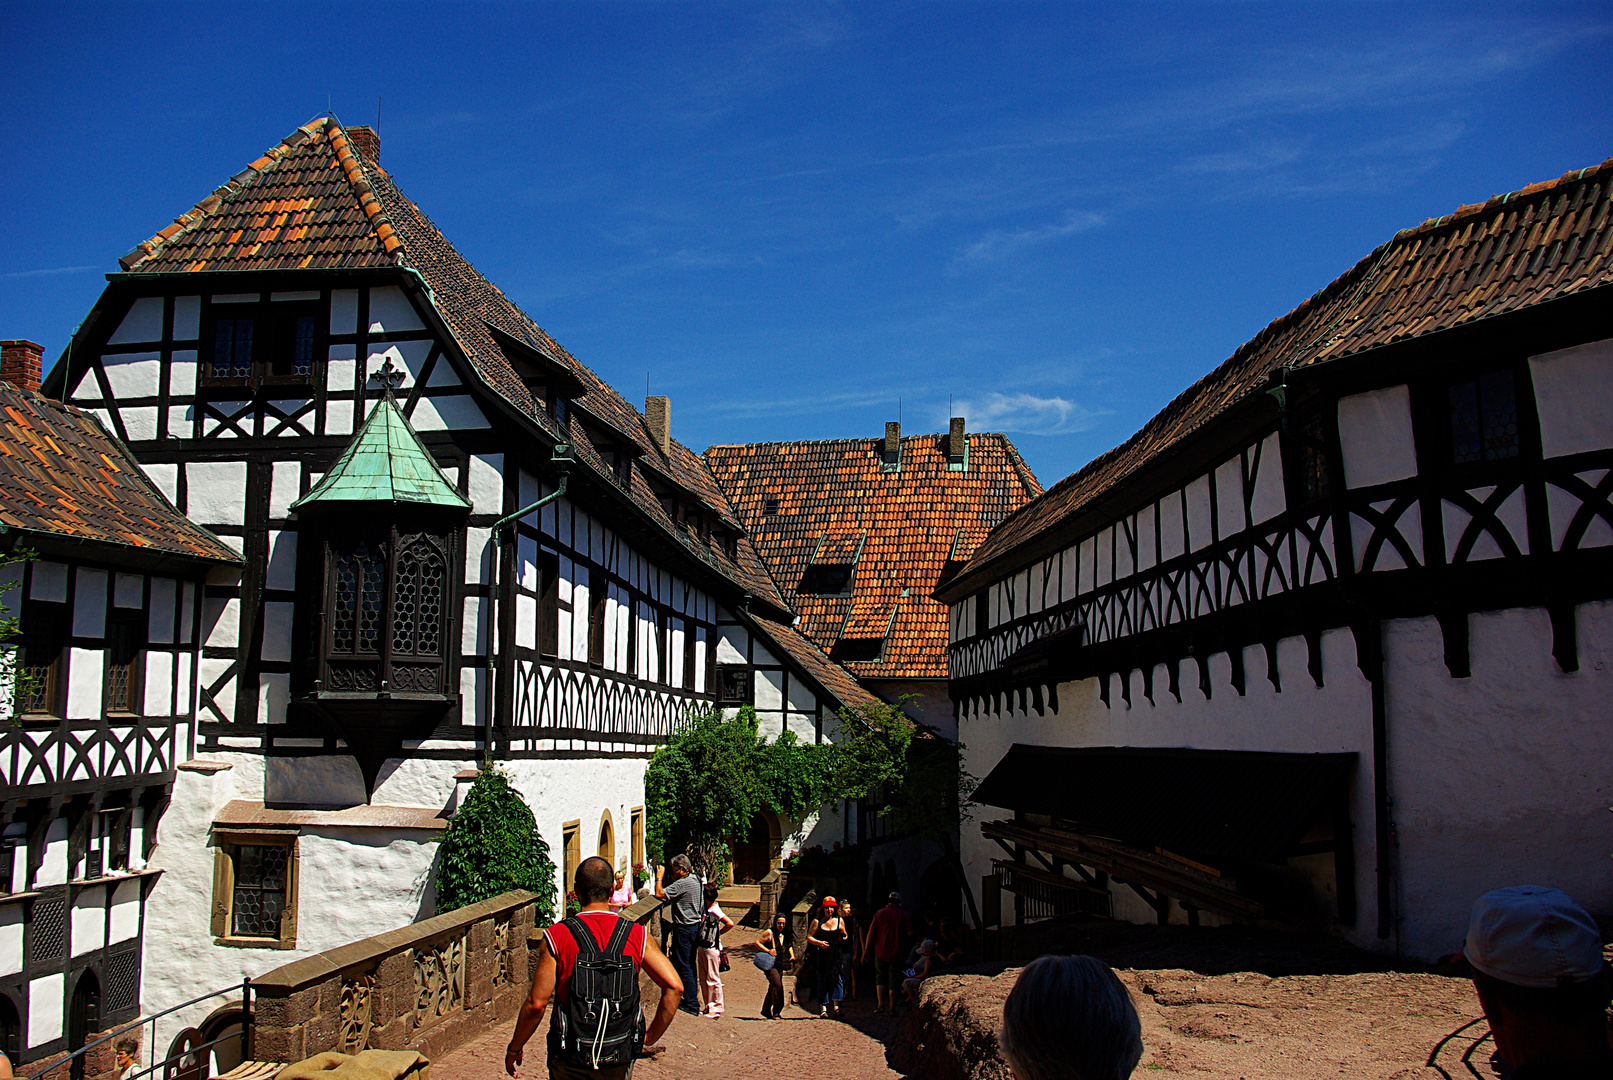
{"x": 353, "y": 164}
{"x": 204, "y": 209}
{"x": 1472, "y": 210}
{"x": 873, "y": 439}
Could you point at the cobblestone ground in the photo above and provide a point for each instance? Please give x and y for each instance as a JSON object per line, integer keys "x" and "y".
{"x": 800, "y": 1046}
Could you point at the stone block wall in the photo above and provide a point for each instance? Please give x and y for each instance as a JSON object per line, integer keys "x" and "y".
{"x": 431, "y": 987}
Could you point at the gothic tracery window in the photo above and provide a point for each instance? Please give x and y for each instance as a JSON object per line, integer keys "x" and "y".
{"x": 387, "y": 609}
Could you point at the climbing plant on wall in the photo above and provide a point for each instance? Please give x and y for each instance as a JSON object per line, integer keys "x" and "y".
{"x": 710, "y": 779}
{"x": 492, "y": 845}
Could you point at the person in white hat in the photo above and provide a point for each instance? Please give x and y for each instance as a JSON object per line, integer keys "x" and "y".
{"x": 1538, "y": 969}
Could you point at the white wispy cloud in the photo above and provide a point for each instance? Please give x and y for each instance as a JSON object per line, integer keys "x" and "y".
{"x": 48, "y": 271}
{"x": 1027, "y": 414}
{"x": 796, "y": 405}
{"x": 1000, "y": 243}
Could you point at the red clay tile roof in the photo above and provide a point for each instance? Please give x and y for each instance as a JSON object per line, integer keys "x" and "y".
{"x": 61, "y": 473}
{"x": 314, "y": 202}
{"x": 1550, "y": 240}
{"x": 836, "y": 503}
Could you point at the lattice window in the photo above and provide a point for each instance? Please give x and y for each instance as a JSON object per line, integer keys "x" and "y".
{"x": 48, "y": 924}
{"x": 359, "y": 591}
{"x": 1311, "y": 457}
{"x": 44, "y": 632}
{"x": 232, "y": 348}
{"x": 122, "y": 982}
{"x": 418, "y": 604}
{"x": 126, "y": 637}
{"x": 259, "y": 896}
{"x": 1484, "y": 419}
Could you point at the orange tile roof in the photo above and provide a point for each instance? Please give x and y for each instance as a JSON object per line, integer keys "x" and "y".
{"x": 62, "y": 474}
{"x": 315, "y": 201}
{"x": 1549, "y": 240}
{"x": 836, "y": 502}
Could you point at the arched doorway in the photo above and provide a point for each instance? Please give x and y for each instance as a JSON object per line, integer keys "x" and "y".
{"x": 224, "y": 1024}
{"x": 83, "y": 1017}
{"x": 10, "y": 1028}
{"x": 756, "y": 854}
{"x": 607, "y": 839}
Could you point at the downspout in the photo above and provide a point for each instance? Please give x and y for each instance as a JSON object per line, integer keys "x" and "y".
{"x": 562, "y": 460}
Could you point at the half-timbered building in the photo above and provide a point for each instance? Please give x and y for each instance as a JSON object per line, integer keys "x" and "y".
{"x": 1329, "y": 640}
{"x": 859, "y": 533}
{"x": 106, "y": 587}
{"x": 458, "y": 544}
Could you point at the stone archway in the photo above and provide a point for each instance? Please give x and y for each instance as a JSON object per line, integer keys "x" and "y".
{"x": 760, "y": 851}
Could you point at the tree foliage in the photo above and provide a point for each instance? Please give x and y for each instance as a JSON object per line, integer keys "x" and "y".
{"x": 708, "y": 782}
{"x": 492, "y": 845}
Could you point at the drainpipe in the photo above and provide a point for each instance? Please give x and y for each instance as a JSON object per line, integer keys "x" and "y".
{"x": 562, "y": 460}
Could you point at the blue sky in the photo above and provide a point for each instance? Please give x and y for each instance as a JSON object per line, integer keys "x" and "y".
{"x": 793, "y": 217}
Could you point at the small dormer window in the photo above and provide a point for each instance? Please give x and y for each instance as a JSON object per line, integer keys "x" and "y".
{"x": 827, "y": 579}
{"x": 770, "y": 506}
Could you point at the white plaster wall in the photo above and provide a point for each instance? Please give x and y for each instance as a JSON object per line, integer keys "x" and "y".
{"x": 1574, "y": 398}
{"x": 10, "y": 939}
{"x": 1301, "y": 719}
{"x": 353, "y": 883}
{"x": 1498, "y": 779}
{"x": 1375, "y": 436}
{"x": 45, "y": 1009}
{"x": 88, "y": 921}
{"x": 579, "y": 789}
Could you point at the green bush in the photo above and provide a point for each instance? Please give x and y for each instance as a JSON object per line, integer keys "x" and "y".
{"x": 491, "y": 846}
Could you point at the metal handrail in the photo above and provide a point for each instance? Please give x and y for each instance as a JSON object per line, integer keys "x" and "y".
{"x": 246, "y": 1020}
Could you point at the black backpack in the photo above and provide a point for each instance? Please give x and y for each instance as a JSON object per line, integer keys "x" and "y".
{"x": 600, "y": 1026}
{"x": 710, "y": 931}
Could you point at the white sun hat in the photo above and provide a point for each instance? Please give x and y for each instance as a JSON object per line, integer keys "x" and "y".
{"x": 1529, "y": 935}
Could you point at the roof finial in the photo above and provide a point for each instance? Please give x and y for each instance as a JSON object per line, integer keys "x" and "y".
{"x": 389, "y": 377}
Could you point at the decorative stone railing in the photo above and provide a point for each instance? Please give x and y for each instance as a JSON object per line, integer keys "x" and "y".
{"x": 431, "y": 986}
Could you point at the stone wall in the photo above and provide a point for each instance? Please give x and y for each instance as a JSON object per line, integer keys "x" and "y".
{"x": 431, "y": 987}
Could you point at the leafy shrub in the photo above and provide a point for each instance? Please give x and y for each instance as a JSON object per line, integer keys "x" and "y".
{"x": 491, "y": 846}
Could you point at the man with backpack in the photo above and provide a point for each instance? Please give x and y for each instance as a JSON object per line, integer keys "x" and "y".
{"x": 589, "y": 965}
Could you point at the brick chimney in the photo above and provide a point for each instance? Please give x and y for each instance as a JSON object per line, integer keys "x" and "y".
{"x": 366, "y": 142}
{"x": 21, "y": 363}
{"x": 658, "y": 418}
{"x": 957, "y": 442}
{"x": 893, "y": 444}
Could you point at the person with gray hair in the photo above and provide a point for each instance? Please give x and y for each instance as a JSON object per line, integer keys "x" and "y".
{"x": 1070, "y": 1018}
{"x": 685, "y": 908}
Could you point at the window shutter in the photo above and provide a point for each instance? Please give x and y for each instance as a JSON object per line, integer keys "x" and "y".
{"x": 288, "y": 915}
{"x": 223, "y": 885}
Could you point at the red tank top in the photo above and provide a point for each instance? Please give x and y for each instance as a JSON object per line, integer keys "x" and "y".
{"x": 564, "y": 947}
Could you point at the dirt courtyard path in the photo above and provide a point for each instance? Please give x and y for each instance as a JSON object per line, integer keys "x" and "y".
{"x": 800, "y": 1046}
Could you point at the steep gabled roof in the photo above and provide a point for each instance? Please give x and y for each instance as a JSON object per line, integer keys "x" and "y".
{"x": 385, "y": 463}
{"x": 316, "y": 201}
{"x": 1550, "y": 240}
{"x": 62, "y": 474}
{"x": 833, "y": 502}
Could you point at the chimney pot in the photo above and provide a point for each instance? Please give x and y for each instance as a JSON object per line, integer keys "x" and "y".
{"x": 21, "y": 363}
{"x": 366, "y": 141}
{"x": 957, "y": 440}
{"x": 658, "y": 418}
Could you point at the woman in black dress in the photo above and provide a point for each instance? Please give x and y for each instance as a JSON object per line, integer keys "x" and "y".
{"x": 829, "y": 937}
{"x": 773, "y": 954}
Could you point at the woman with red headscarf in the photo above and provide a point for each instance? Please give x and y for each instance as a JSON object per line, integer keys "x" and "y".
{"x": 828, "y": 936}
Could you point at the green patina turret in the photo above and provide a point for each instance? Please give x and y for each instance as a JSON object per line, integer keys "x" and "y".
{"x": 385, "y": 463}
